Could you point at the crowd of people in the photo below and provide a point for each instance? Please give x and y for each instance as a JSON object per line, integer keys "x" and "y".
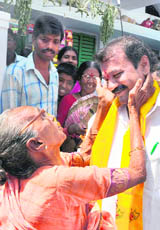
{"x": 75, "y": 110}
{"x": 76, "y": 133}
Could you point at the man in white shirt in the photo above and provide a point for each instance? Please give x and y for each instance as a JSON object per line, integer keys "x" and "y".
{"x": 123, "y": 61}
{"x": 34, "y": 80}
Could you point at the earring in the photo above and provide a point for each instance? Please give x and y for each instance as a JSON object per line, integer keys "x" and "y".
{"x": 46, "y": 147}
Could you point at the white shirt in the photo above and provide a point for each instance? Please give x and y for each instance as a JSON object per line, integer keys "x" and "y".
{"x": 24, "y": 85}
{"x": 18, "y": 58}
{"x": 151, "y": 193}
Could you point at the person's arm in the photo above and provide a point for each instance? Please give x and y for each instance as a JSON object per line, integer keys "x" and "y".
{"x": 125, "y": 178}
{"x": 105, "y": 99}
{"x": 11, "y": 89}
{"x": 91, "y": 183}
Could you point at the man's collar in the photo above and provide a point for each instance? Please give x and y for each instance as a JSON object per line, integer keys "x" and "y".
{"x": 30, "y": 63}
{"x": 31, "y": 66}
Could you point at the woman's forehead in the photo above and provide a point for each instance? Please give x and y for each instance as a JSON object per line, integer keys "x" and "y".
{"x": 25, "y": 112}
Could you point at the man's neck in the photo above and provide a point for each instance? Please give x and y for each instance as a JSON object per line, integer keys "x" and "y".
{"x": 55, "y": 157}
{"x": 40, "y": 64}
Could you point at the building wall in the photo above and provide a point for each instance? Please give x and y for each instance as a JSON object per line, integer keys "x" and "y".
{"x": 4, "y": 24}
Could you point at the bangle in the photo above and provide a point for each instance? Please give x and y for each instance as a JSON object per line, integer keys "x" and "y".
{"x": 137, "y": 149}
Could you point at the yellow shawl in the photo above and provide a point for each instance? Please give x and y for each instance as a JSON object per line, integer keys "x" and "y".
{"x": 129, "y": 209}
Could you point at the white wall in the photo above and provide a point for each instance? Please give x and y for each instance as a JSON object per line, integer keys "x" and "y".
{"x": 4, "y": 24}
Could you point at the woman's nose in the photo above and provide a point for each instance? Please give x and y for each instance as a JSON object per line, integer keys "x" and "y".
{"x": 70, "y": 59}
{"x": 92, "y": 79}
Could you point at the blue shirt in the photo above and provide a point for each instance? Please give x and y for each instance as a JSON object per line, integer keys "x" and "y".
{"x": 24, "y": 85}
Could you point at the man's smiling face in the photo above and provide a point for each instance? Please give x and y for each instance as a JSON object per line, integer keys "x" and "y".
{"x": 121, "y": 73}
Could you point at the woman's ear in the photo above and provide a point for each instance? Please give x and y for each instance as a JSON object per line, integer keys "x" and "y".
{"x": 33, "y": 144}
{"x": 144, "y": 65}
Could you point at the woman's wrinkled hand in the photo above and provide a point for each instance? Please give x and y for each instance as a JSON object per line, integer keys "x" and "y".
{"x": 105, "y": 96}
{"x": 141, "y": 92}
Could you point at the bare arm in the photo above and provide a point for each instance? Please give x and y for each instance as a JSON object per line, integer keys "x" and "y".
{"x": 125, "y": 178}
{"x": 105, "y": 98}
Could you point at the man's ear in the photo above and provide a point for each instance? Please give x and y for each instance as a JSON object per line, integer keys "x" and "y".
{"x": 35, "y": 145}
{"x": 144, "y": 65}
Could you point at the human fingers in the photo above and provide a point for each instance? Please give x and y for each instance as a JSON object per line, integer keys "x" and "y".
{"x": 147, "y": 81}
{"x": 135, "y": 94}
{"x": 136, "y": 88}
{"x": 98, "y": 81}
{"x": 105, "y": 83}
{"x": 148, "y": 87}
{"x": 99, "y": 85}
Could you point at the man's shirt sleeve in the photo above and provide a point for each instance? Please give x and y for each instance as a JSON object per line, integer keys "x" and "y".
{"x": 11, "y": 89}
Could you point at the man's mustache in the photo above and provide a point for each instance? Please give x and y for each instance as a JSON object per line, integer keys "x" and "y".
{"x": 119, "y": 88}
{"x": 48, "y": 50}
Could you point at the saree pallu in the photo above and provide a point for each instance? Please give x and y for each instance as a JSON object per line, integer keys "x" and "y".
{"x": 80, "y": 113}
{"x": 82, "y": 110}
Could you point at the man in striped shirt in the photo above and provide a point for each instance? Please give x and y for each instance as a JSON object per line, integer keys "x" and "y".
{"x": 34, "y": 80}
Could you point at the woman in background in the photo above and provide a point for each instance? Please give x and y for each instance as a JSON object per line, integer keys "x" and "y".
{"x": 68, "y": 54}
{"x": 75, "y": 110}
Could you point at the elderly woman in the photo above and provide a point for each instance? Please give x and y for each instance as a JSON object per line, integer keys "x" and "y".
{"x": 40, "y": 187}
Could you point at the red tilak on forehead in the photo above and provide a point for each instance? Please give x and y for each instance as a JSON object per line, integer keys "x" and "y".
{"x": 106, "y": 75}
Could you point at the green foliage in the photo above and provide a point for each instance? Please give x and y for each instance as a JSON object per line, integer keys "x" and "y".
{"x": 95, "y": 8}
{"x": 22, "y": 11}
{"x": 107, "y": 23}
{"x": 9, "y": 1}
